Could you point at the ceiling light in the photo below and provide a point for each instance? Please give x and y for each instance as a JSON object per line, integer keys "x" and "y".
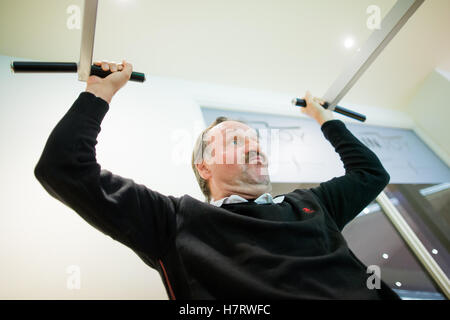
{"x": 349, "y": 42}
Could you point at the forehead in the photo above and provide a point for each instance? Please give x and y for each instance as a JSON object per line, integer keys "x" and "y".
{"x": 230, "y": 126}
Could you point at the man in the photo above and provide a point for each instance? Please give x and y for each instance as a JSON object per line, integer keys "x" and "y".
{"x": 244, "y": 243}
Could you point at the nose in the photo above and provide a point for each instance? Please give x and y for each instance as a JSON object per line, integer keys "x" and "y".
{"x": 253, "y": 149}
{"x": 252, "y": 145}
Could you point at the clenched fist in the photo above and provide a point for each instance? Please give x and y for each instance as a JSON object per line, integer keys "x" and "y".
{"x": 315, "y": 110}
{"x": 106, "y": 88}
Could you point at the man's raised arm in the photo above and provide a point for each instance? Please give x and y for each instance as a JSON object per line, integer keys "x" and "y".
{"x": 365, "y": 177}
{"x": 136, "y": 216}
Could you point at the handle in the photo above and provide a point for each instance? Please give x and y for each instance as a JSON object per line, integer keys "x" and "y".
{"x": 350, "y": 113}
{"x": 99, "y": 72}
{"x": 346, "y": 112}
{"x": 33, "y": 66}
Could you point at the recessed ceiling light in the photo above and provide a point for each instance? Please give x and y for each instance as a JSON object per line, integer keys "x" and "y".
{"x": 434, "y": 251}
{"x": 385, "y": 255}
{"x": 349, "y": 42}
{"x": 398, "y": 284}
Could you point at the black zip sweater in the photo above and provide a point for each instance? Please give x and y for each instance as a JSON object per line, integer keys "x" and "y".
{"x": 244, "y": 250}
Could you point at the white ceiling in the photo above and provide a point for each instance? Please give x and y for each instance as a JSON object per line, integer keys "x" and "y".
{"x": 285, "y": 46}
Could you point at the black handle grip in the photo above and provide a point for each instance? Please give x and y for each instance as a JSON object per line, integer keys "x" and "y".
{"x": 346, "y": 112}
{"x": 33, "y": 66}
{"x": 99, "y": 72}
{"x": 302, "y": 103}
{"x": 350, "y": 113}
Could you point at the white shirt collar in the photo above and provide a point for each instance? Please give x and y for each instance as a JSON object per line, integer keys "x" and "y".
{"x": 262, "y": 199}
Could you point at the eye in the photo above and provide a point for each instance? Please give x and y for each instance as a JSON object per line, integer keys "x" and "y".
{"x": 236, "y": 141}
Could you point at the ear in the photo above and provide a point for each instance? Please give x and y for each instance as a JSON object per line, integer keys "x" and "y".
{"x": 203, "y": 170}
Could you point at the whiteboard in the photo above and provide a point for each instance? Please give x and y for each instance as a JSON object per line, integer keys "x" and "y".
{"x": 298, "y": 151}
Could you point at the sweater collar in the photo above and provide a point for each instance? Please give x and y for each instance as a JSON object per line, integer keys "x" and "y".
{"x": 262, "y": 199}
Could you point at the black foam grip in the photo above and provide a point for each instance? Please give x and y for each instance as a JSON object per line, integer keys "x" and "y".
{"x": 99, "y": 72}
{"x": 33, "y": 66}
{"x": 346, "y": 112}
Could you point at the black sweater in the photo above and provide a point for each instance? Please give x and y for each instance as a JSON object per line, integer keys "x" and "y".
{"x": 244, "y": 250}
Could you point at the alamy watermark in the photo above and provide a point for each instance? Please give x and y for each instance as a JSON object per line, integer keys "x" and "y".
{"x": 374, "y": 280}
{"x": 374, "y": 20}
{"x": 74, "y": 279}
{"x": 231, "y": 146}
{"x": 74, "y": 19}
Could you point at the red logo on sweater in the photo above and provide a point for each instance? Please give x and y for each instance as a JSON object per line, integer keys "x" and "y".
{"x": 307, "y": 210}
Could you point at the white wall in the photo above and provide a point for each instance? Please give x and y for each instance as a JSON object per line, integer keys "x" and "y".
{"x": 40, "y": 237}
{"x": 430, "y": 110}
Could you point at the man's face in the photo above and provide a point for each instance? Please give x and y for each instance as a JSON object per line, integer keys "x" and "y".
{"x": 234, "y": 159}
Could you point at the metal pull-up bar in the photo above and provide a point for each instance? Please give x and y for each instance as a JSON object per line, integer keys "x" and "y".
{"x": 378, "y": 40}
{"x": 392, "y": 23}
{"x": 84, "y": 67}
{"x": 32, "y": 66}
{"x": 346, "y": 112}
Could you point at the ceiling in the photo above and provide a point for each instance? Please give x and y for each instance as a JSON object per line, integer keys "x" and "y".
{"x": 284, "y": 46}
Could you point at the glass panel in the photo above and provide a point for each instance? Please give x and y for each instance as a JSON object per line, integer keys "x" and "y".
{"x": 426, "y": 208}
{"x": 375, "y": 241}
{"x": 299, "y": 152}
